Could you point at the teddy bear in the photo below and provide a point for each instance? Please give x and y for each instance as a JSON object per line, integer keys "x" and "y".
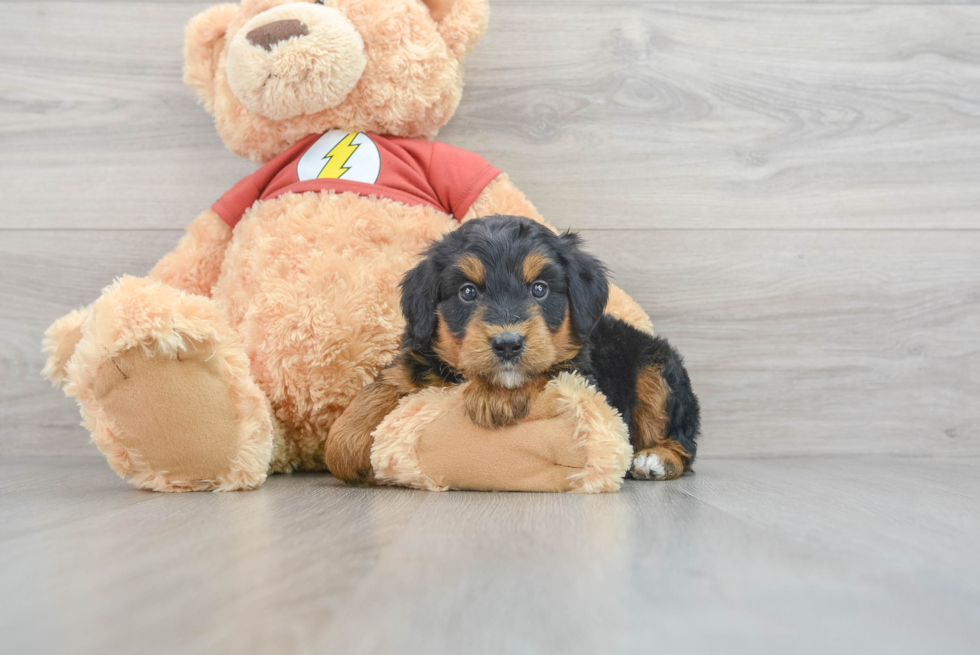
{"x": 233, "y": 358}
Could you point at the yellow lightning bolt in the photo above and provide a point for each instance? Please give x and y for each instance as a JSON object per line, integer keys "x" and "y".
{"x": 337, "y": 157}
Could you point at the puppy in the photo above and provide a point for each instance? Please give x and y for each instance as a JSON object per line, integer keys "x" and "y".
{"x": 506, "y": 304}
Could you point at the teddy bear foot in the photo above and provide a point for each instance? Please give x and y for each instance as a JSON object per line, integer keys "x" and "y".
{"x": 59, "y": 343}
{"x": 165, "y": 388}
{"x": 175, "y": 417}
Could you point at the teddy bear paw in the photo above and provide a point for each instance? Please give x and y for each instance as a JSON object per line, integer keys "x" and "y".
{"x": 173, "y": 420}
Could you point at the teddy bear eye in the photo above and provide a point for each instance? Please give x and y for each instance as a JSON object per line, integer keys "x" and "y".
{"x": 539, "y": 290}
{"x": 468, "y": 292}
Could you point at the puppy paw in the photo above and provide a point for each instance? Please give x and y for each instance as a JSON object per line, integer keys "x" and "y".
{"x": 648, "y": 467}
{"x": 657, "y": 463}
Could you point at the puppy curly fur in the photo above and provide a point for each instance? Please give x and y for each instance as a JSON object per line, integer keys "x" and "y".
{"x": 509, "y": 278}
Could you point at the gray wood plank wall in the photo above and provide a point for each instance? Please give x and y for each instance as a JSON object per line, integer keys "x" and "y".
{"x": 791, "y": 189}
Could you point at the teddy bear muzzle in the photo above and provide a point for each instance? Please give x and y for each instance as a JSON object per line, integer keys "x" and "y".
{"x": 297, "y": 58}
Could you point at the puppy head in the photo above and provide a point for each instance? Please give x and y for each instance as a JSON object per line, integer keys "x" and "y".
{"x": 503, "y": 299}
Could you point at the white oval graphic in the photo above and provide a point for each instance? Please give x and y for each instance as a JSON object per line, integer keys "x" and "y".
{"x": 339, "y": 155}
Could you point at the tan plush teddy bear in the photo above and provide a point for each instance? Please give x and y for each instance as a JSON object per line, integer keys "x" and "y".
{"x": 234, "y": 357}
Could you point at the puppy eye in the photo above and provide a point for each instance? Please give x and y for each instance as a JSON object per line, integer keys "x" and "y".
{"x": 539, "y": 290}
{"x": 468, "y": 292}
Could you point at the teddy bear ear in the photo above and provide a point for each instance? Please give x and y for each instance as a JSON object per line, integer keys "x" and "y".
{"x": 203, "y": 41}
{"x": 461, "y": 22}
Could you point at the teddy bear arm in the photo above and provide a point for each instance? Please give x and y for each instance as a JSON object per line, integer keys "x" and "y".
{"x": 572, "y": 440}
{"x": 193, "y": 266}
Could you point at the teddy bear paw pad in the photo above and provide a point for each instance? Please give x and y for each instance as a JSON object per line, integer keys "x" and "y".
{"x": 174, "y": 417}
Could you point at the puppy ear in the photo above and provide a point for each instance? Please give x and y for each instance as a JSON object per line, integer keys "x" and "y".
{"x": 203, "y": 42}
{"x": 588, "y": 288}
{"x": 420, "y": 295}
{"x": 461, "y": 22}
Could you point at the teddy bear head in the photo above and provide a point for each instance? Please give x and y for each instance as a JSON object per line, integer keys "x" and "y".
{"x": 274, "y": 71}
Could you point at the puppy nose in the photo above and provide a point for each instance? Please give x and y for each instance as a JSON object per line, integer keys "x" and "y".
{"x": 272, "y": 33}
{"x": 507, "y": 345}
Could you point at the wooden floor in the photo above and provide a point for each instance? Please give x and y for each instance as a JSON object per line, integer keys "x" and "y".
{"x": 795, "y": 555}
{"x": 790, "y": 188}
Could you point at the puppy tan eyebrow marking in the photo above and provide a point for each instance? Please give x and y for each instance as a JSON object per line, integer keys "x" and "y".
{"x": 472, "y": 268}
{"x": 533, "y": 265}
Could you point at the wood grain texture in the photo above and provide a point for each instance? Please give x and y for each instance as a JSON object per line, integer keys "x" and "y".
{"x": 613, "y": 115}
{"x": 44, "y": 275}
{"x": 809, "y": 343}
{"x": 797, "y": 342}
{"x": 814, "y": 555}
{"x": 737, "y": 116}
{"x": 751, "y": 145}
{"x": 95, "y": 108}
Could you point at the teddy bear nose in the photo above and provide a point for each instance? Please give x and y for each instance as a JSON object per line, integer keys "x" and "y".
{"x": 272, "y": 33}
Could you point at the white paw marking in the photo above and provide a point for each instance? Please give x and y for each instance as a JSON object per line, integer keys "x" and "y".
{"x": 648, "y": 467}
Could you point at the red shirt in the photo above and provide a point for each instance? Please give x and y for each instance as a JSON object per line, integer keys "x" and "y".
{"x": 407, "y": 170}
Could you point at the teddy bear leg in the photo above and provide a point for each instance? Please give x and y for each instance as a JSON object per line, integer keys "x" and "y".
{"x": 165, "y": 388}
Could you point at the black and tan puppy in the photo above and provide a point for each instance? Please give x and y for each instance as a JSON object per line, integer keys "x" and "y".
{"x": 506, "y": 304}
